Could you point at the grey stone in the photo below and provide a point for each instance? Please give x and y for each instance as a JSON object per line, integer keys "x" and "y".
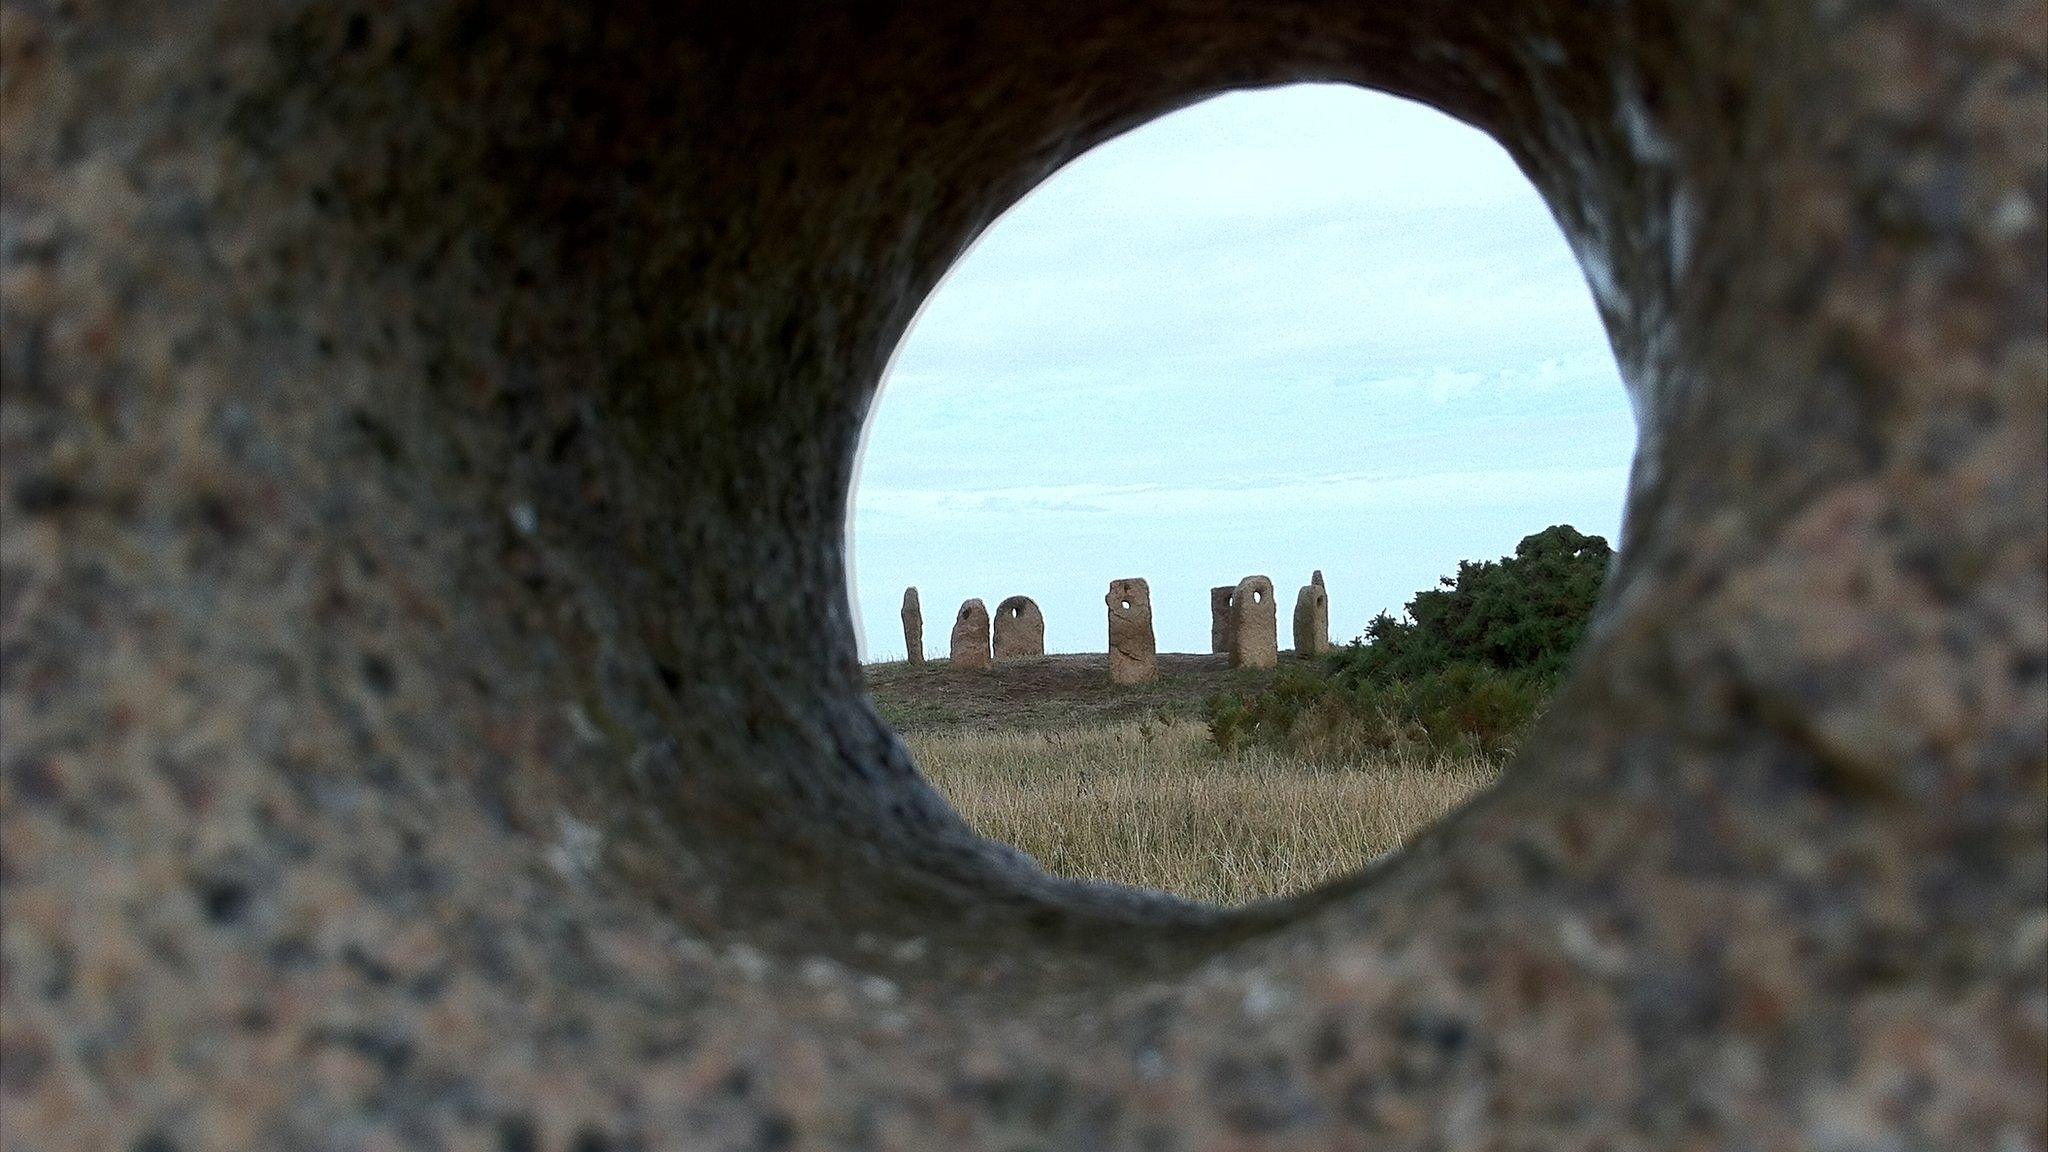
{"x": 1019, "y": 629}
{"x": 1133, "y": 651}
{"x": 339, "y": 808}
{"x": 1312, "y": 618}
{"x": 970, "y": 645}
{"x": 1219, "y": 617}
{"x": 1254, "y": 624}
{"x": 913, "y": 626}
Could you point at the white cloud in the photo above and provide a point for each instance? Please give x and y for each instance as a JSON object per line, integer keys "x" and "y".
{"x": 1308, "y": 495}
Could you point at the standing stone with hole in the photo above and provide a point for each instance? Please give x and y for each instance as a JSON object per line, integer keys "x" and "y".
{"x": 1219, "y": 617}
{"x": 970, "y": 636}
{"x": 1312, "y": 618}
{"x": 1020, "y": 628}
{"x": 913, "y": 626}
{"x": 1133, "y": 652}
{"x": 1254, "y": 624}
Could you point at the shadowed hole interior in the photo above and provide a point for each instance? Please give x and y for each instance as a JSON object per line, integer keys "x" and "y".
{"x": 431, "y": 706}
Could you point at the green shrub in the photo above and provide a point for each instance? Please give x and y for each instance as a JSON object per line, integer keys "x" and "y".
{"x": 1521, "y": 613}
{"x": 1463, "y": 709}
{"x": 1465, "y": 672}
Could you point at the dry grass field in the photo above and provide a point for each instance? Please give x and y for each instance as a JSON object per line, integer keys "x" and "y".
{"x": 1123, "y": 784}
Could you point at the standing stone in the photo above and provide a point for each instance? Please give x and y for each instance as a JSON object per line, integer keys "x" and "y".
{"x": 1219, "y": 617}
{"x": 1312, "y": 618}
{"x": 1254, "y": 624}
{"x": 913, "y": 625}
{"x": 1020, "y": 628}
{"x": 1133, "y": 652}
{"x": 970, "y": 636}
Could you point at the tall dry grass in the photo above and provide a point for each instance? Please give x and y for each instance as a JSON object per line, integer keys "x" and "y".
{"x": 1154, "y": 803}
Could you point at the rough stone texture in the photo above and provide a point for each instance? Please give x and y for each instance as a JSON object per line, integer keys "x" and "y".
{"x": 1219, "y": 617}
{"x": 913, "y": 626}
{"x": 1133, "y": 651}
{"x": 970, "y": 649}
{"x": 430, "y": 714}
{"x": 1312, "y": 618}
{"x": 1020, "y": 628}
{"x": 1254, "y": 624}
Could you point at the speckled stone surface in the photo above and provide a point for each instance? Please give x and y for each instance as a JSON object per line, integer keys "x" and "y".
{"x": 429, "y": 715}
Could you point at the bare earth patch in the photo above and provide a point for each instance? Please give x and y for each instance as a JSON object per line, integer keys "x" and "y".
{"x": 1059, "y": 691}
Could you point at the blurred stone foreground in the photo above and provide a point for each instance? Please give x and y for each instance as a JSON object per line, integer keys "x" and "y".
{"x": 431, "y": 717}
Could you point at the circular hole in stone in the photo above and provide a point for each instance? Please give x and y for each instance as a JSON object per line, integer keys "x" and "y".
{"x": 1310, "y": 328}
{"x": 676, "y": 683}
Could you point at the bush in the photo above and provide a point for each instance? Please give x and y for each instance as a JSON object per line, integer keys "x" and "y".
{"x": 1521, "y": 613}
{"x": 1465, "y": 672}
{"x": 1464, "y": 709}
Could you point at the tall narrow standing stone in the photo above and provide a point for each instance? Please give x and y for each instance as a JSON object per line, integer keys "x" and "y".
{"x": 1133, "y": 652}
{"x": 1020, "y": 628}
{"x": 1219, "y": 617}
{"x": 1312, "y": 618}
{"x": 1254, "y": 624}
{"x": 913, "y": 625}
{"x": 970, "y": 636}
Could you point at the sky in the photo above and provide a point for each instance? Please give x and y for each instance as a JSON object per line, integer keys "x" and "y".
{"x": 1300, "y": 328}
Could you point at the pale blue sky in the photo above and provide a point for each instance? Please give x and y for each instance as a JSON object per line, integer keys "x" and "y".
{"x": 1309, "y": 327}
